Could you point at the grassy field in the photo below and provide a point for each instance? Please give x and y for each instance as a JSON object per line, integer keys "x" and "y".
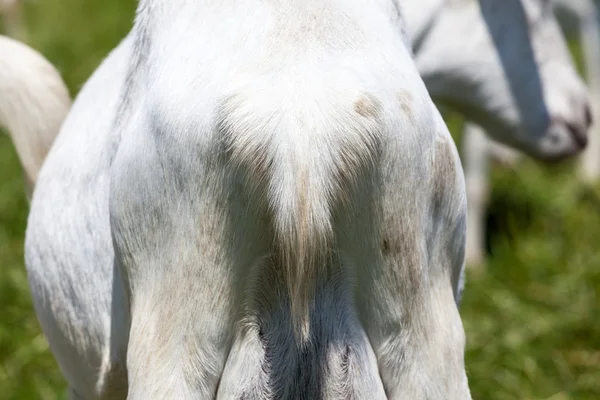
{"x": 532, "y": 319}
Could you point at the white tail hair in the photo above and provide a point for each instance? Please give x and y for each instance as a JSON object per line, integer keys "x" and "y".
{"x": 34, "y": 101}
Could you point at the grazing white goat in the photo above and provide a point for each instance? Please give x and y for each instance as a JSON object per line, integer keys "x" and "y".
{"x": 34, "y": 101}
{"x": 478, "y": 149}
{"x": 520, "y": 85}
{"x": 288, "y": 215}
{"x": 81, "y": 286}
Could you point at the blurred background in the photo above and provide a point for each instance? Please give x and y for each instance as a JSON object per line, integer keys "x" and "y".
{"x": 532, "y": 317}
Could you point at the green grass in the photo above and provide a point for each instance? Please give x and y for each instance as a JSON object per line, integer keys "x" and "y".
{"x": 532, "y": 319}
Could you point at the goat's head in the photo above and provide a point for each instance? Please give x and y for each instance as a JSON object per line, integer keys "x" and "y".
{"x": 505, "y": 65}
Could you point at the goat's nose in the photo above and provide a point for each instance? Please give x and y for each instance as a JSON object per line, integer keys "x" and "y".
{"x": 579, "y": 132}
{"x": 579, "y": 124}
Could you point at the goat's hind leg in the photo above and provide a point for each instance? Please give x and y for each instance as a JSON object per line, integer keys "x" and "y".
{"x": 181, "y": 270}
{"x": 410, "y": 293}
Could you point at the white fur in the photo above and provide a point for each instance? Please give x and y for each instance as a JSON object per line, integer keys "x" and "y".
{"x": 169, "y": 189}
{"x": 227, "y": 138}
{"x": 34, "y": 101}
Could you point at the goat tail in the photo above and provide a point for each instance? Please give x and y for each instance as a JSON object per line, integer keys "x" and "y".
{"x": 303, "y": 238}
{"x": 309, "y": 169}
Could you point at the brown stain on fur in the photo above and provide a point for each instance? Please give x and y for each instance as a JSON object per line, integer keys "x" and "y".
{"x": 385, "y": 247}
{"x": 366, "y": 106}
{"x": 301, "y": 278}
{"x": 444, "y": 172}
{"x": 405, "y": 100}
{"x": 448, "y": 203}
{"x": 402, "y": 250}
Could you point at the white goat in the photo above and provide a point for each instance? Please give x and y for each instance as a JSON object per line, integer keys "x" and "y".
{"x": 291, "y": 173}
{"x": 34, "y": 101}
{"x": 519, "y": 84}
{"x": 77, "y": 281}
{"x": 478, "y": 149}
